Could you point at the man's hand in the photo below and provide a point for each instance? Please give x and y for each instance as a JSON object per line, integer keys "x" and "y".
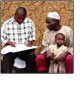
{"x": 49, "y": 55}
{"x": 29, "y": 44}
{"x": 13, "y": 44}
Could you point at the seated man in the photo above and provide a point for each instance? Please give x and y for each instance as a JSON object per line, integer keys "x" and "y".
{"x": 54, "y": 27}
{"x": 18, "y": 30}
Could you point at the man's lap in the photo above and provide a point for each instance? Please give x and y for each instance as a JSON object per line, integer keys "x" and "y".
{"x": 42, "y": 63}
{"x": 21, "y": 55}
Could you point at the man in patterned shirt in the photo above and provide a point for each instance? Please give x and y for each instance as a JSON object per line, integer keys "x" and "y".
{"x": 18, "y": 30}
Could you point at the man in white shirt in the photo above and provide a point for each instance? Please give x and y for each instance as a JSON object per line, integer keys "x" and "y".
{"x": 54, "y": 27}
{"x": 18, "y": 30}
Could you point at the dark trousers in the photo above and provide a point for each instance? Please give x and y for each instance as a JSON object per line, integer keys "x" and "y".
{"x": 28, "y": 56}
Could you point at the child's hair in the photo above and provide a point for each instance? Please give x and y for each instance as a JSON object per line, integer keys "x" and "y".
{"x": 59, "y": 34}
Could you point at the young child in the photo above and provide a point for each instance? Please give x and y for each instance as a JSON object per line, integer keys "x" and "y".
{"x": 57, "y": 54}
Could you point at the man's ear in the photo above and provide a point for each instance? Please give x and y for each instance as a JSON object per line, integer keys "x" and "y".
{"x": 14, "y": 15}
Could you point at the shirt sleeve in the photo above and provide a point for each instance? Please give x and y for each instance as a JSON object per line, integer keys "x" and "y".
{"x": 69, "y": 42}
{"x": 50, "y": 48}
{"x": 4, "y": 34}
{"x": 44, "y": 40}
{"x": 32, "y": 32}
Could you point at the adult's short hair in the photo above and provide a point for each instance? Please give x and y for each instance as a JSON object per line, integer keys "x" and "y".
{"x": 21, "y": 10}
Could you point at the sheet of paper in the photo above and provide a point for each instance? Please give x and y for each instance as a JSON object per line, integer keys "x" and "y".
{"x": 18, "y": 48}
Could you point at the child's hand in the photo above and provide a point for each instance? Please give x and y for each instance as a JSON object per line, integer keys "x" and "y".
{"x": 56, "y": 58}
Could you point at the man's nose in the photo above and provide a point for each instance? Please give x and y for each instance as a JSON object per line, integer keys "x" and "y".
{"x": 20, "y": 20}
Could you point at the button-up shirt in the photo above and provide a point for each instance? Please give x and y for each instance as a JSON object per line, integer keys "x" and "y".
{"x": 19, "y": 33}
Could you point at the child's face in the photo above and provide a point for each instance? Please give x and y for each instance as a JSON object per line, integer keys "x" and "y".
{"x": 60, "y": 40}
